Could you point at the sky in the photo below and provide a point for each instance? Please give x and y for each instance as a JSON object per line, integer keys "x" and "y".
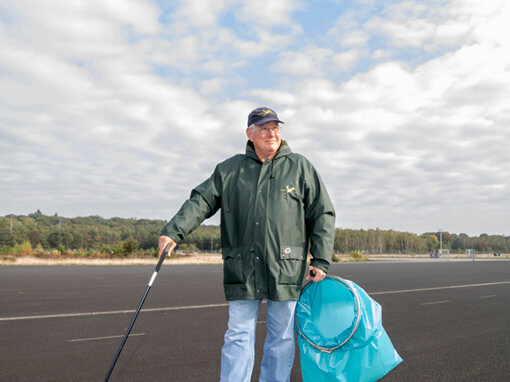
{"x": 119, "y": 108}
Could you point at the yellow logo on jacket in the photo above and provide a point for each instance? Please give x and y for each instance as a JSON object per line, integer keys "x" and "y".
{"x": 289, "y": 190}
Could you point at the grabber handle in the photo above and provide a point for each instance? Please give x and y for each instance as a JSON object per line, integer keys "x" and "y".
{"x": 162, "y": 258}
{"x": 160, "y": 262}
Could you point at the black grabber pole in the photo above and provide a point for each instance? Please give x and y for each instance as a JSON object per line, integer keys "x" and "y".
{"x": 154, "y": 274}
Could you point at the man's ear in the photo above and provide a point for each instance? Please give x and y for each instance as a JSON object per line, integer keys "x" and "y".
{"x": 249, "y": 134}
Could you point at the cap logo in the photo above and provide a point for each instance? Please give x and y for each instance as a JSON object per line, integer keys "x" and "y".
{"x": 265, "y": 112}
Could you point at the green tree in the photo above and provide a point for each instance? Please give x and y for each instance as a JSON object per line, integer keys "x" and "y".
{"x": 35, "y": 237}
{"x": 54, "y": 239}
{"x": 129, "y": 246}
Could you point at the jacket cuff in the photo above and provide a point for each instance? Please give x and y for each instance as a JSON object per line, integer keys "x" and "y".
{"x": 321, "y": 264}
{"x": 166, "y": 231}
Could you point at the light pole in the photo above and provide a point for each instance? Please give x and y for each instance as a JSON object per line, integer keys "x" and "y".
{"x": 440, "y": 242}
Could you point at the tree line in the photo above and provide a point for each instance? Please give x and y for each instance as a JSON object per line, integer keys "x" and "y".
{"x": 95, "y": 234}
{"x": 376, "y": 241}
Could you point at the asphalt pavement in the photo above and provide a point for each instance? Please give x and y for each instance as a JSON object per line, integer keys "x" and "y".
{"x": 450, "y": 321}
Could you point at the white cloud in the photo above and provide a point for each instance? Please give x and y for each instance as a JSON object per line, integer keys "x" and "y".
{"x": 346, "y": 60}
{"x": 198, "y": 13}
{"x": 381, "y": 54}
{"x": 431, "y": 26}
{"x": 305, "y": 63}
{"x": 181, "y": 53}
{"x": 355, "y": 38}
{"x": 347, "y": 22}
{"x": 423, "y": 138}
{"x": 267, "y": 42}
{"x": 268, "y": 12}
{"x": 119, "y": 114}
{"x": 211, "y": 86}
{"x": 315, "y": 61}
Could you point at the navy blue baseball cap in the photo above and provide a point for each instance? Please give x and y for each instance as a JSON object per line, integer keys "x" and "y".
{"x": 261, "y": 115}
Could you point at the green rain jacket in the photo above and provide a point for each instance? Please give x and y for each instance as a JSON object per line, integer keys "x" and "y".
{"x": 272, "y": 214}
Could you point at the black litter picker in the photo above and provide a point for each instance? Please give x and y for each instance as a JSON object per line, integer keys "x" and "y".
{"x": 149, "y": 285}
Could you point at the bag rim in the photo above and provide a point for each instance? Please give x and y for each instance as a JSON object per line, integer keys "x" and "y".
{"x": 354, "y": 292}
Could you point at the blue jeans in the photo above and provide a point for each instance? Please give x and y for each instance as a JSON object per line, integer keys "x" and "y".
{"x": 238, "y": 352}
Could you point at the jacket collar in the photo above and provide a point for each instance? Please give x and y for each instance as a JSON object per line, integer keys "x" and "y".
{"x": 282, "y": 151}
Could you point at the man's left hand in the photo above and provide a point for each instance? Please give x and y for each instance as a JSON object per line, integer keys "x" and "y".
{"x": 319, "y": 274}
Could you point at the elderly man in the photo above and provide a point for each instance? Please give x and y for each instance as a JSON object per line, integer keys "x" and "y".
{"x": 274, "y": 211}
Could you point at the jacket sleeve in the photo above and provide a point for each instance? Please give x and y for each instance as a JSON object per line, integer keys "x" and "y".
{"x": 204, "y": 201}
{"x": 320, "y": 222}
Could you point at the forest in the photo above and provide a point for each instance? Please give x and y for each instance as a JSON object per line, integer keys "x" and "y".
{"x": 38, "y": 232}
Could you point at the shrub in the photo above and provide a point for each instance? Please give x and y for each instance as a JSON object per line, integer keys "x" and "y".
{"x": 39, "y": 249}
{"x": 118, "y": 249}
{"x": 24, "y": 248}
{"x": 105, "y": 250}
{"x": 358, "y": 256}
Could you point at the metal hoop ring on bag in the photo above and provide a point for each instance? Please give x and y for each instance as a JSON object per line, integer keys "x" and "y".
{"x": 354, "y": 327}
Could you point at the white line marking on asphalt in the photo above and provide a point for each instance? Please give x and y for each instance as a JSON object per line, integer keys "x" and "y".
{"x": 435, "y": 302}
{"x": 104, "y": 338}
{"x": 438, "y": 288}
{"x": 488, "y": 296}
{"x": 85, "y": 314}
{"x": 67, "y": 315}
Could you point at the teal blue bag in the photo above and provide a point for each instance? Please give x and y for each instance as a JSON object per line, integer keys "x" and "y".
{"x": 340, "y": 334}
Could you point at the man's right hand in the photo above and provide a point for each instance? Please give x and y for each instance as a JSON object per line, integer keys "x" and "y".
{"x": 163, "y": 241}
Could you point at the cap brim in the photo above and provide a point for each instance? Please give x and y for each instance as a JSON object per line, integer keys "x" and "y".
{"x": 266, "y": 120}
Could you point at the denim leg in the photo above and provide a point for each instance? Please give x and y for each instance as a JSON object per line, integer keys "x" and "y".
{"x": 238, "y": 352}
{"x": 279, "y": 347}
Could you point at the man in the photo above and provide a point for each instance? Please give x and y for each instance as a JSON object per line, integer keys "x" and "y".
{"x": 274, "y": 209}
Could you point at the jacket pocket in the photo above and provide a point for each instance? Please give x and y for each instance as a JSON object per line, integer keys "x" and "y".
{"x": 292, "y": 262}
{"x": 232, "y": 265}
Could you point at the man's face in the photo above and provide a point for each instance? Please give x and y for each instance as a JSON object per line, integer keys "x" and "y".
{"x": 266, "y": 138}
